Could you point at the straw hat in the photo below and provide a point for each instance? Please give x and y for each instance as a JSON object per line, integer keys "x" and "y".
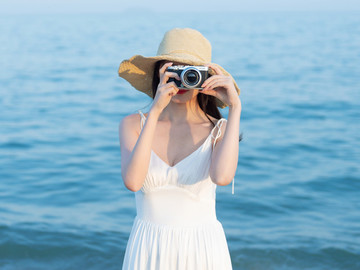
{"x": 182, "y": 45}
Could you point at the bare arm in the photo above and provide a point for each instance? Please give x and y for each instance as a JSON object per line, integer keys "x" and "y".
{"x": 136, "y": 149}
{"x": 225, "y": 156}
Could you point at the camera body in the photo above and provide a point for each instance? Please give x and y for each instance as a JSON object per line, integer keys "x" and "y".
{"x": 192, "y": 77}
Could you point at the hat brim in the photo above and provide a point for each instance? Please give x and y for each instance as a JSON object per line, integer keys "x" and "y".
{"x": 139, "y": 70}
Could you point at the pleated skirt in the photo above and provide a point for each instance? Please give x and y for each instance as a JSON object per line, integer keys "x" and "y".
{"x": 161, "y": 247}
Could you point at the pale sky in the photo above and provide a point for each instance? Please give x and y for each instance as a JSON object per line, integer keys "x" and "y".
{"x": 114, "y": 6}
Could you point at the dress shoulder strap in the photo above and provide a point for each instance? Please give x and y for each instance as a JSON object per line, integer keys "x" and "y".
{"x": 143, "y": 119}
{"x": 218, "y": 134}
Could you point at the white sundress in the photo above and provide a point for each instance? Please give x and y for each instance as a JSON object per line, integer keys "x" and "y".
{"x": 176, "y": 226}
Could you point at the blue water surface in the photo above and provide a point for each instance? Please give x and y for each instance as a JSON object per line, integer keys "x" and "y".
{"x": 63, "y": 204}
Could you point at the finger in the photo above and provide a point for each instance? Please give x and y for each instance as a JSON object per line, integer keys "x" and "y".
{"x": 170, "y": 86}
{"x": 164, "y": 67}
{"x": 210, "y": 79}
{"x": 165, "y": 77}
{"x": 173, "y": 84}
{"x": 172, "y": 89}
{"x": 209, "y": 92}
{"x": 215, "y": 85}
{"x": 213, "y": 79}
{"x": 167, "y": 87}
{"x": 215, "y": 68}
{"x": 213, "y": 82}
{"x": 172, "y": 93}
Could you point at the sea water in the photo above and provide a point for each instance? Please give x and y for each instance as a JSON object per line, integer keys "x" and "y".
{"x": 63, "y": 204}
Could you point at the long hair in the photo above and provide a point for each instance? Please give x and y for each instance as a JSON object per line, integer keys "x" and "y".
{"x": 206, "y": 103}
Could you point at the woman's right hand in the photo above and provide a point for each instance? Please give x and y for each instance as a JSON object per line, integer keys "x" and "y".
{"x": 165, "y": 90}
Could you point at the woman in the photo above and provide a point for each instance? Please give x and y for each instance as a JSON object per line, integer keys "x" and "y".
{"x": 174, "y": 156}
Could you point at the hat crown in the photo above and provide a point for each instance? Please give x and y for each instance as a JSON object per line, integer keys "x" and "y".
{"x": 185, "y": 41}
{"x": 182, "y": 45}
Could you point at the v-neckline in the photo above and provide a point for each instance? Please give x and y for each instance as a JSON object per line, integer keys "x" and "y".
{"x": 192, "y": 153}
{"x": 185, "y": 158}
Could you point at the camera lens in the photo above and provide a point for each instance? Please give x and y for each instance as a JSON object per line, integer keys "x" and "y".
{"x": 190, "y": 77}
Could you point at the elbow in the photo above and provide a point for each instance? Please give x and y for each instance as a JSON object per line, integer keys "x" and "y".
{"x": 222, "y": 180}
{"x": 131, "y": 185}
{"x": 221, "y": 183}
{"x": 132, "y": 188}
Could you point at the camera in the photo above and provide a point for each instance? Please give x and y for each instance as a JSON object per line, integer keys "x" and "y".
{"x": 192, "y": 77}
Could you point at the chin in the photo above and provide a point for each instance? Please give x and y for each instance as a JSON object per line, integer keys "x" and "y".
{"x": 179, "y": 99}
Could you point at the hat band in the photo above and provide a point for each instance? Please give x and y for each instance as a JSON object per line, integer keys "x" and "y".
{"x": 186, "y": 52}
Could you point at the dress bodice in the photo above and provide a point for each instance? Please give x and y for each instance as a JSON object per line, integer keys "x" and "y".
{"x": 185, "y": 188}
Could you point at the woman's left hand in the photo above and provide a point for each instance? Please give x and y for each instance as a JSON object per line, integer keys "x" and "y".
{"x": 221, "y": 87}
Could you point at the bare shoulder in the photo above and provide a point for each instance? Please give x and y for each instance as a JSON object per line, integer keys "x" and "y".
{"x": 215, "y": 121}
{"x": 130, "y": 122}
{"x": 219, "y": 125}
